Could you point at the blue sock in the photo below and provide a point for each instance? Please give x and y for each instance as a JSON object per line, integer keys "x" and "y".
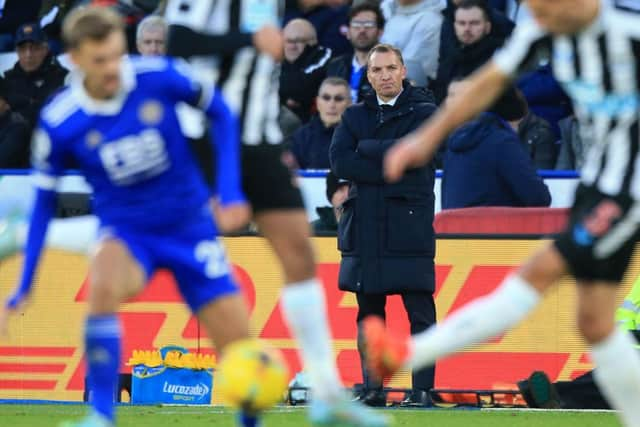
{"x": 102, "y": 346}
{"x": 248, "y": 420}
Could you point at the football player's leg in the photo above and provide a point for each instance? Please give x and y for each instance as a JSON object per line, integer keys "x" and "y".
{"x": 114, "y": 276}
{"x": 303, "y": 298}
{"x": 611, "y": 347}
{"x": 476, "y": 322}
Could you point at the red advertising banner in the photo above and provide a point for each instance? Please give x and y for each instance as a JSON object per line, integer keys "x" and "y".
{"x": 42, "y": 359}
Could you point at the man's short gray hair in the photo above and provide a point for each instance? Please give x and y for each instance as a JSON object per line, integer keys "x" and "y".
{"x": 151, "y": 21}
{"x": 385, "y": 48}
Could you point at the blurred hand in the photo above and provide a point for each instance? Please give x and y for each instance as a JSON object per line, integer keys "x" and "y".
{"x": 269, "y": 40}
{"x": 5, "y": 316}
{"x": 408, "y": 153}
{"x": 232, "y": 217}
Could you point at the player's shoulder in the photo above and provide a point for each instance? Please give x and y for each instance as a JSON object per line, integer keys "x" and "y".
{"x": 624, "y": 16}
{"x": 59, "y": 108}
{"x": 149, "y": 64}
{"x": 632, "y": 6}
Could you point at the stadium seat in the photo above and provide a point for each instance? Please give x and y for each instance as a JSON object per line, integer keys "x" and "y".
{"x": 501, "y": 220}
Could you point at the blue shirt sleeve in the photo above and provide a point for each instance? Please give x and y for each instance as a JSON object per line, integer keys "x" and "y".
{"x": 224, "y": 128}
{"x": 47, "y": 159}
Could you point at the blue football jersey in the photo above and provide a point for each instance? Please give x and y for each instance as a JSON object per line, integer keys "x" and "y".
{"x": 129, "y": 148}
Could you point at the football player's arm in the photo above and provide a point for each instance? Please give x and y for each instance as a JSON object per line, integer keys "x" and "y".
{"x": 47, "y": 167}
{"x": 185, "y": 42}
{"x": 226, "y": 140}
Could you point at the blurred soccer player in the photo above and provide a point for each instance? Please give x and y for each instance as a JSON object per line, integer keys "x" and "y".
{"x": 117, "y": 120}
{"x": 595, "y": 55}
{"x": 237, "y": 43}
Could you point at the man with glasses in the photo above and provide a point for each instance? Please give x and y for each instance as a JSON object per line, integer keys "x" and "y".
{"x": 366, "y": 24}
{"x": 310, "y": 143}
{"x": 303, "y": 68}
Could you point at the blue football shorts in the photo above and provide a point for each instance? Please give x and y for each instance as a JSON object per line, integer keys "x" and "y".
{"x": 190, "y": 250}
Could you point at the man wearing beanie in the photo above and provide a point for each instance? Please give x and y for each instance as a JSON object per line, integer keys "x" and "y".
{"x": 485, "y": 163}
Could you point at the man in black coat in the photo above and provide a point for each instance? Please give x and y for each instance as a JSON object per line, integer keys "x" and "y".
{"x": 303, "y": 69}
{"x": 385, "y": 232}
{"x": 366, "y": 24}
{"x": 35, "y": 76}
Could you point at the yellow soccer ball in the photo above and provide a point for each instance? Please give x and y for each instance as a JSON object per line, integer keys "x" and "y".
{"x": 251, "y": 376}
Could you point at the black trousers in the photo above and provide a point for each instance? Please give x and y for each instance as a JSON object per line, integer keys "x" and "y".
{"x": 421, "y": 311}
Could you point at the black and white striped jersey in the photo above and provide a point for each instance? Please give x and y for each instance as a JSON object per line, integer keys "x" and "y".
{"x": 599, "y": 68}
{"x": 216, "y": 35}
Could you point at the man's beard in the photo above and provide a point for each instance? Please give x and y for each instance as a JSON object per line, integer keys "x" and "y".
{"x": 367, "y": 47}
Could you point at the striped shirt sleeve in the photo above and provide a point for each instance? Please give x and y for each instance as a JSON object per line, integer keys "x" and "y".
{"x": 523, "y": 45}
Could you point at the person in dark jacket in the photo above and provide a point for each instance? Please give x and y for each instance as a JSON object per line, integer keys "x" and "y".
{"x": 310, "y": 143}
{"x": 536, "y": 135}
{"x": 475, "y": 43}
{"x": 545, "y": 96}
{"x": 303, "y": 69}
{"x": 36, "y": 75}
{"x": 14, "y": 136}
{"x": 386, "y": 233}
{"x": 485, "y": 163}
{"x": 366, "y": 24}
{"x": 501, "y": 27}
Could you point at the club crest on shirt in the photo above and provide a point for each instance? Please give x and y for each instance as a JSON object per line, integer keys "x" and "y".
{"x": 150, "y": 112}
{"x": 93, "y": 139}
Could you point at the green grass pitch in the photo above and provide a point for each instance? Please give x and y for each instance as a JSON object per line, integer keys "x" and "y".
{"x": 151, "y": 416}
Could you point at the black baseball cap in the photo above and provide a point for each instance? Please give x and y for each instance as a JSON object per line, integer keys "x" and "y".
{"x": 30, "y": 32}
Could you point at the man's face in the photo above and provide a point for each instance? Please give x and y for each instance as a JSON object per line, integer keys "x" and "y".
{"x": 296, "y": 37}
{"x": 563, "y": 16}
{"x": 152, "y": 41}
{"x": 385, "y": 73}
{"x": 100, "y": 61}
{"x": 31, "y": 55}
{"x": 332, "y": 101}
{"x": 363, "y": 31}
{"x": 471, "y": 25}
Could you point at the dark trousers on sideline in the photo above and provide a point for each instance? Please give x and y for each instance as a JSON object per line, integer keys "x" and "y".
{"x": 421, "y": 311}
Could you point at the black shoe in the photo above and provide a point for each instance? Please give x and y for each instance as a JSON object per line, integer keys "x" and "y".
{"x": 542, "y": 391}
{"x": 417, "y": 399}
{"x": 375, "y": 398}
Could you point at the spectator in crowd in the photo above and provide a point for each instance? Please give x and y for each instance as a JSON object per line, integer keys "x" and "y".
{"x": 50, "y": 17}
{"x": 14, "y": 13}
{"x": 485, "y": 163}
{"x": 36, "y": 75}
{"x": 310, "y": 144}
{"x": 337, "y": 191}
{"x": 151, "y": 36}
{"x": 475, "y": 45}
{"x": 545, "y": 95}
{"x": 385, "y": 232}
{"x": 413, "y": 26}
{"x": 366, "y": 24}
{"x": 14, "y": 136}
{"x": 329, "y": 22}
{"x": 535, "y": 134}
{"x": 573, "y": 145}
{"x": 501, "y": 26}
{"x": 303, "y": 69}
